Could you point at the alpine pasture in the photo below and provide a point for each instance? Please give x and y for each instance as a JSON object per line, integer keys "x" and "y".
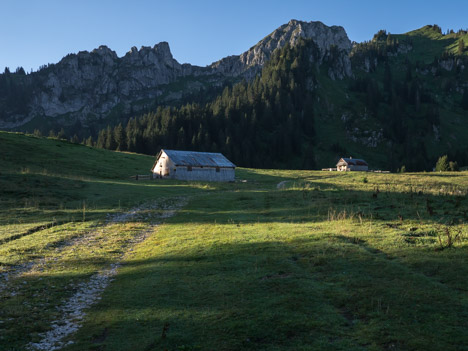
{"x": 92, "y": 260}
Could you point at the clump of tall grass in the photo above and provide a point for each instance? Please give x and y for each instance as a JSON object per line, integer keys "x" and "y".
{"x": 448, "y": 235}
{"x": 343, "y": 215}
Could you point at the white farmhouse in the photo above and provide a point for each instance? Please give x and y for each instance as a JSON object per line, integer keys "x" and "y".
{"x": 352, "y": 164}
{"x": 192, "y": 165}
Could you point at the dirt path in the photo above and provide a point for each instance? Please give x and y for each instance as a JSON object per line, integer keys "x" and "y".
{"x": 136, "y": 213}
{"x": 87, "y": 293}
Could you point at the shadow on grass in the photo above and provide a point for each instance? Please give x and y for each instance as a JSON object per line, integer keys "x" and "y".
{"x": 321, "y": 203}
{"x": 303, "y": 294}
{"x": 311, "y": 200}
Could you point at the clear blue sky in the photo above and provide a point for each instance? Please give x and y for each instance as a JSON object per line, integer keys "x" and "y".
{"x": 199, "y": 32}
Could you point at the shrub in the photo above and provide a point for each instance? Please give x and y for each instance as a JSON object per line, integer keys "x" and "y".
{"x": 448, "y": 235}
{"x": 442, "y": 164}
{"x": 453, "y": 166}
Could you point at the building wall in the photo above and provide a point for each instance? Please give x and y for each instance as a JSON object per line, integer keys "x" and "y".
{"x": 358, "y": 168}
{"x": 342, "y": 166}
{"x": 165, "y": 168}
{"x": 204, "y": 174}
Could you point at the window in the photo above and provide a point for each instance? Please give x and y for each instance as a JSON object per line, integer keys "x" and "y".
{"x": 189, "y": 168}
{"x": 217, "y": 169}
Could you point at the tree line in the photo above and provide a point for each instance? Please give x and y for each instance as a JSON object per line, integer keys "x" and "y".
{"x": 268, "y": 122}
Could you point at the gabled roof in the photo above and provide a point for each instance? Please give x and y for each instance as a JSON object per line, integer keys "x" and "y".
{"x": 197, "y": 159}
{"x": 353, "y": 161}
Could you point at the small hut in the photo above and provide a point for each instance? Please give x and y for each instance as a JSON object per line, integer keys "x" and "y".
{"x": 352, "y": 164}
{"x": 192, "y": 165}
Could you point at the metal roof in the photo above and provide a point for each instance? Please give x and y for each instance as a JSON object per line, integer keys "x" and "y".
{"x": 354, "y": 161}
{"x": 198, "y": 159}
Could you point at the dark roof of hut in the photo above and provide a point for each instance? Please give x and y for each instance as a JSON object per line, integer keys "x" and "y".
{"x": 198, "y": 159}
{"x": 354, "y": 161}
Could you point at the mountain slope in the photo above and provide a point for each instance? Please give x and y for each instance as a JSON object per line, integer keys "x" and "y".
{"x": 90, "y": 86}
{"x": 308, "y": 98}
{"x": 395, "y": 111}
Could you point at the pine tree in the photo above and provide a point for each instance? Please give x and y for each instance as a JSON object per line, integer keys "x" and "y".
{"x": 442, "y": 164}
{"x": 181, "y": 138}
{"x": 120, "y": 138}
{"x": 89, "y": 141}
{"x": 101, "y": 140}
{"x": 409, "y": 73}
{"x": 61, "y": 134}
{"x": 110, "y": 141}
{"x": 75, "y": 139}
{"x": 388, "y": 79}
{"x": 461, "y": 46}
{"x": 20, "y": 71}
{"x": 464, "y": 100}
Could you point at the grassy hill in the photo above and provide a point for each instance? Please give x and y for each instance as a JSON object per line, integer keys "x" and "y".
{"x": 283, "y": 260}
{"x": 406, "y": 96}
{"x": 428, "y": 43}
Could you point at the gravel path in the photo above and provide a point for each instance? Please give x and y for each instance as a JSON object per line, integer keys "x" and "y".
{"x": 88, "y": 293}
{"x": 19, "y": 270}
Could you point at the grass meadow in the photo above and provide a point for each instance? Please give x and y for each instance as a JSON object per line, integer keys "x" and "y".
{"x": 326, "y": 261}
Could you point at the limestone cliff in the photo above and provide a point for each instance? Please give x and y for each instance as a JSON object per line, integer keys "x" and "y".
{"x": 251, "y": 61}
{"x": 89, "y": 85}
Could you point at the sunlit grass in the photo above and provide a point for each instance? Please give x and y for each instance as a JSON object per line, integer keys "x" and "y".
{"x": 328, "y": 261}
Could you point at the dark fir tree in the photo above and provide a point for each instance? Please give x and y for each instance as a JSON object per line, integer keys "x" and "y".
{"x": 464, "y": 100}
{"x": 461, "y": 46}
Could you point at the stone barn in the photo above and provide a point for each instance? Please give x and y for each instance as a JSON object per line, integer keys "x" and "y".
{"x": 352, "y": 164}
{"x": 192, "y": 165}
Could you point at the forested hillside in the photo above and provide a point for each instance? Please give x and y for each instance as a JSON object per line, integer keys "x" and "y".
{"x": 396, "y": 100}
{"x": 401, "y": 108}
{"x": 266, "y": 122}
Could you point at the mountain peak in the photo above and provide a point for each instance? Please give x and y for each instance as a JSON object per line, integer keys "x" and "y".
{"x": 159, "y": 52}
{"x": 162, "y": 49}
{"x": 252, "y": 60}
{"x": 103, "y": 50}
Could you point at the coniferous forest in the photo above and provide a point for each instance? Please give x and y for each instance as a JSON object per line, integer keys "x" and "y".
{"x": 268, "y": 122}
{"x": 271, "y": 121}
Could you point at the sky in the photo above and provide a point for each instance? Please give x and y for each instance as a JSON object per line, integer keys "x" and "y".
{"x": 37, "y": 32}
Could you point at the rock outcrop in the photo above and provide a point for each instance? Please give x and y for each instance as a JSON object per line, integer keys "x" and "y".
{"x": 250, "y": 62}
{"x": 89, "y": 85}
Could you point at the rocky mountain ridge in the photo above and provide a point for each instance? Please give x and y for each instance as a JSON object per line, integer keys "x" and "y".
{"x": 89, "y": 85}
{"x": 251, "y": 61}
